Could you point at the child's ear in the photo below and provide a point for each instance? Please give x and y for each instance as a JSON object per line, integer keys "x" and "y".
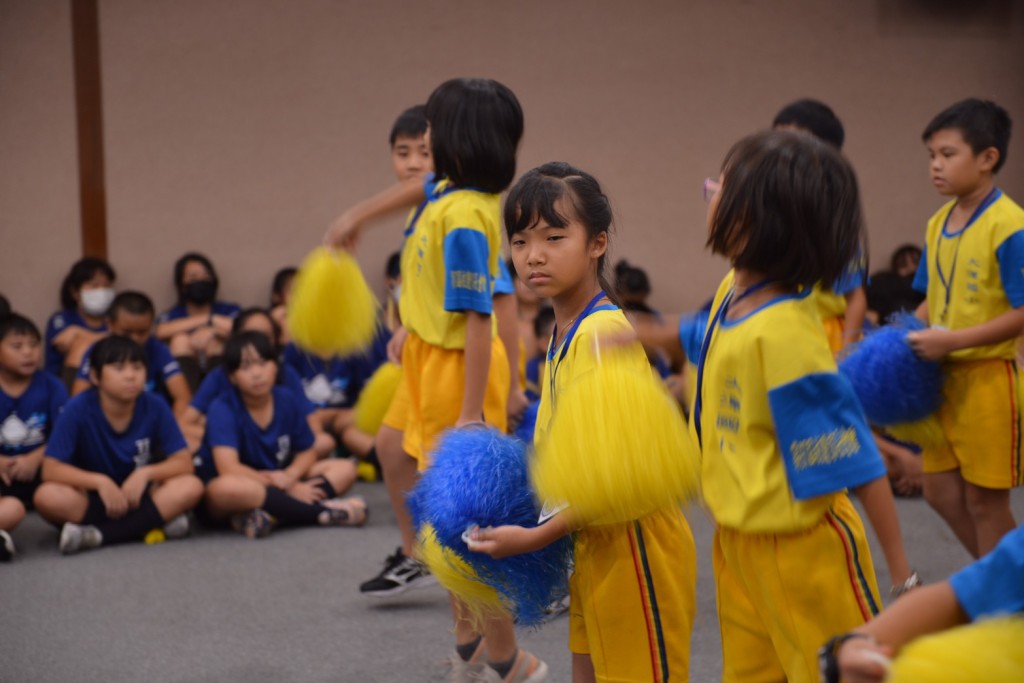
{"x": 94, "y": 377}
{"x": 599, "y": 245}
{"x": 988, "y": 158}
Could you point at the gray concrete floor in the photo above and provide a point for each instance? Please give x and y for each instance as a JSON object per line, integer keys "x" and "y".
{"x": 216, "y": 607}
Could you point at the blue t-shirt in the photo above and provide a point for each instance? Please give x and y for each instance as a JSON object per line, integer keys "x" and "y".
{"x": 229, "y": 424}
{"x": 332, "y": 383}
{"x": 179, "y": 312}
{"x": 26, "y": 422}
{"x": 216, "y": 384}
{"x": 995, "y": 583}
{"x": 84, "y": 438}
{"x": 160, "y": 366}
{"x": 58, "y": 322}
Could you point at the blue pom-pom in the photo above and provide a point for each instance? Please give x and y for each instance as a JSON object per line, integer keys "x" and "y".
{"x": 478, "y": 477}
{"x": 895, "y": 386}
{"x": 528, "y": 424}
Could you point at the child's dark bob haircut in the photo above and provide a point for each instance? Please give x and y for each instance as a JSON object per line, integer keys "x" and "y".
{"x": 815, "y": 117}
{"x": 277, "y": 287}
{"x": 179, "y": 273}
{"x": 982, "y": 123}
{"x": 81, "y": 272}
{"x": 475, "y": 127}
{"x": 238, "y": 324}
{"x": 411, "y": 123}
{"x": 535, "y": 196}
{"x": 239, "y": 342}
{"x": 132, "y": 303}
{"x": 14, "y": 323}
{"x": 789, "y": 209}
{"x": 113, "y": 350}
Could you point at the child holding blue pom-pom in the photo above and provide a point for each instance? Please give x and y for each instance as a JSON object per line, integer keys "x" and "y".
{"x": 782, "y": 434}
{"x": 972, "y": 273}
{"x": 633, "y": 590}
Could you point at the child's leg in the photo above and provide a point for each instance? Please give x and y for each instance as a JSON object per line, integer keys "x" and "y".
{"x": 340, "y": 474}
{"x": 59, "y": 503}
{"x": 177, "y": 495}
{"x": 12, "y": 511}
{"x": 990, "y": 514}
{"x": 946, "y": 494}
{"x": 400, "y": 476}
{"x": 582, "y": 669}
{"x": 229, "y": 495}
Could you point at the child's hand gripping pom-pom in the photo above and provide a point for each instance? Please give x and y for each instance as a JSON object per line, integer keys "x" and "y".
{"x": 332, "y": 311}
{"x": 375, "y": 398}
{"x": 990, "y": 650}
{"x": 897, "y": 389}
{"x": 479, "y": 478}
{"x": 617, "y": 447}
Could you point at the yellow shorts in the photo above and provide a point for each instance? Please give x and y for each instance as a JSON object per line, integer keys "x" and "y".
{"x": 980, "y": 417}
{"x": 780, "y": 596}
{"x": 398, "y": 411}
{"x": 434, "y": 380}
{"x": 633, "y": 597}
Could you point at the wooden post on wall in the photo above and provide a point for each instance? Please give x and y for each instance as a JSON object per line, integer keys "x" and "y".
{"x": 85, "y": 37}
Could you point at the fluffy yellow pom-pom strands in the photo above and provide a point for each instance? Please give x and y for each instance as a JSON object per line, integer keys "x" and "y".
{"x": 332, "y": 311}
{"x": 479, "y": 600}
{"x": 375, "y": 398}
{"x": 991, "y": 650}
{"x": 617, "y": 447}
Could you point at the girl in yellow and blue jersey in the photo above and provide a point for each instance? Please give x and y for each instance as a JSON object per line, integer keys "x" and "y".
{"x": 782, "y": 435}
{"x": 633, "y": 589}
{"x": 454, "y": 368}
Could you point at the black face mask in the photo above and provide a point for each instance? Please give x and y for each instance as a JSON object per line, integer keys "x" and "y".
{"x": 200, "y": 292}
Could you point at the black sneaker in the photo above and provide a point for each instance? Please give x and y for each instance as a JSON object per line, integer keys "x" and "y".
{"x": 401, "y": 573}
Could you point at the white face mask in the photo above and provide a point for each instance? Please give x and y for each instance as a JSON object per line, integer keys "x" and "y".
{"x": 97, "y": 301}
{"x": 396, "y": 293}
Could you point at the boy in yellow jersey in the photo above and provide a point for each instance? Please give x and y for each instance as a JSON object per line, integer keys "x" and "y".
{"x": 782, "y": 435}
{"x": 972, "y": 274}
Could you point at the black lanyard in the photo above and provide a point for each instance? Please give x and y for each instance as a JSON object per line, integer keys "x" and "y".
{"x": 706, "y": 346}
{"x": 948, "y": 285}
{"x": 552, "y": 363}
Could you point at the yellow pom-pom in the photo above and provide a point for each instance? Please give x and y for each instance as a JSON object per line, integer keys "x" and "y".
{"x": 991, "y": 650}
{"x": 481, "y": 602}
{"x": 926, "y": 433}
{"x": 332, "y": 311}
{"x": 617, "y": 447}
{"x": 154, "y": 536}
{"x": 375, "y": 398}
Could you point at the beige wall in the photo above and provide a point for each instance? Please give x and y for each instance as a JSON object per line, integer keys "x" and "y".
{"x": 241, "y": 127}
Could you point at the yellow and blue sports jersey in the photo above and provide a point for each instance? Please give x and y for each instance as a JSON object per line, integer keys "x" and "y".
{"x": 83, "y": 436}
{"x": 26, "y": 421}
{"x": 976, "y": 274}
{"x": 449, "y": 263}
{"x": 831, "y": 302}
{"x": 994, "y": 584}
{"x": 781, "y": 431}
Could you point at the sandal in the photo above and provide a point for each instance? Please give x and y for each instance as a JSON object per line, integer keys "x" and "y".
{"x": 349, "y": 511}
{"x": 253, "y": 524}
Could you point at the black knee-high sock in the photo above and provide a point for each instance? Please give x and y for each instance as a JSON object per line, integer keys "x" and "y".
{"x": 326, "y": 487}
{"x": 134, "y": 525}
{"x": 288, "y": 510}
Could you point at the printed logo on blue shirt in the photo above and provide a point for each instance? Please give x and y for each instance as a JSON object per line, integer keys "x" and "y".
{"x": 17, "y": 433}
{"x": 142, "y": 455}
{"x": 284, "y": 447}
{"x": 825, "y": 449}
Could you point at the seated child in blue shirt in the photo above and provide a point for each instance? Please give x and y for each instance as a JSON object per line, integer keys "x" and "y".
{"x": 85, "y": 294}
{"x": 280, "y": 291}
{"x": 216, "y": 384}
{"x": 30, "y": 400}
{"x": 262, "y": 446}
{"x": 131, "y": 315}
{"x": 196, "y": 327}
{"x": 116, "y": 466}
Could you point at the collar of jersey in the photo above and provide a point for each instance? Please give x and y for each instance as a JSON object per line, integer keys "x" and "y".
{"x": 771, "y": 302}
{"x": 993, "y": 196}
{"x": 606, "y": 307}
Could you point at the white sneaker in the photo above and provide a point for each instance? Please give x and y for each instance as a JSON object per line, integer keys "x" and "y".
{"x": 474, "y": 669}
{"x": 76, "y": 537}
{"x": 179, "y": 527}
{"x": 6, "y": 547}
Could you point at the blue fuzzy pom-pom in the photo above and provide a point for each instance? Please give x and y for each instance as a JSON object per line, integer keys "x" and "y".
{"x": 479, "y": 477}
{"x": 894, "y": 385}
{"x": 527, "y": 424}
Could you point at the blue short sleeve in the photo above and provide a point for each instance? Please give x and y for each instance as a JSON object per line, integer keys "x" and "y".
{"x": 995, "y": 583}
{"x": 1010, "y": 256}
{"x": 163, "y": 363}
{"x": 58, "y": 398}
{"x": 84, "y": 366}
{"x": 691, "y": 333}
{"x": 212, "y": 386}
{"x": 921, "y": 276}
{"x": 503, "y": 284}
{"x": 290, "y": 380}
{"x": 467, "y": 271}
{"x": 823, "y": 436}
{"x": 168, "y": 434}
{"x": 66, "y": 430}
{"x": 302, "y": 435}
{"x": 221, "y": 425}
{"x": 852, "y": 278}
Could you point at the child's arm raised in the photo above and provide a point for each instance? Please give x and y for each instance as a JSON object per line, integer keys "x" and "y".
{"x": 344, "y": 231}
{"x": 935, "y": 344}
